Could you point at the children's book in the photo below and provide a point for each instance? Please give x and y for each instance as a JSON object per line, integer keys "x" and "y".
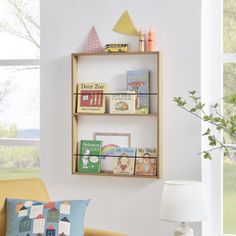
{"x": 138, "y": 81}
{"x": 146, "y": 161}
{"x": 122, "y": 102}
{"x": 124, "y": 162}
{"x": 107, "y": 159}
{"x": 91, "y": 97}
{"x": 89, "y": 158}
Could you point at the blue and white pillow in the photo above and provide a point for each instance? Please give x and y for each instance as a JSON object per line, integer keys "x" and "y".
{"x": 30, "y": 218}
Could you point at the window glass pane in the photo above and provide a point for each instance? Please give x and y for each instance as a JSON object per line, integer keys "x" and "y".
{"x": 19, "y": 29}
{"x": 230, "y": 196}
{"x": 19, "y": 102}
{"x": 229, "y": 26}
{"x": 229, "y": 188}
{"x": 229, "y": 94}
{"x": 19, "y": 162}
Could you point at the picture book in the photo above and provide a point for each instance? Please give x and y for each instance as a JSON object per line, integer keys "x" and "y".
{"x": 91, "y": 97}
{"x": 107, "y": 160}
{"x": 146, "y": 161}
{"x": 89, "y": 158}
{"x": 138, "y": 81}
{"x": 124, "y": 162}
{"x": 122, "y": 102}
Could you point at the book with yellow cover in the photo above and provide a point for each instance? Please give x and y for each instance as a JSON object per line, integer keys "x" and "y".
{"x": 146, "y": 161}
{"x": 91, "y": 97}
{"x": 122, "y": 102}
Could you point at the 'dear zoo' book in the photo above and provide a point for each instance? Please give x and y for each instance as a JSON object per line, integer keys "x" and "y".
{"x": 138, "y": 81}
{"x": 124, "y": 162}
{"x": 146, "y": 161}
{"x": 89, "y": 158}
{"x": 91, "y": 97}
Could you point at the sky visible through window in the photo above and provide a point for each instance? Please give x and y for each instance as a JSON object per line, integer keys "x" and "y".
{"x": 14, "y": 43}
{"x": 19, "y": 87}
{"x": 21, "y": 101}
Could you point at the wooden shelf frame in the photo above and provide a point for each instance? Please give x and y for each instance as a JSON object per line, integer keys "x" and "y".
{"x": 116, "y": 175}
{"x": 114, "y": 114}
{"x": 75, "y": 116}
{"x": 114, "y": 54}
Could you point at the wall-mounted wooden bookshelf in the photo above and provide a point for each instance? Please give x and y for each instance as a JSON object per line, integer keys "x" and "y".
{"x": 144, "y": 128}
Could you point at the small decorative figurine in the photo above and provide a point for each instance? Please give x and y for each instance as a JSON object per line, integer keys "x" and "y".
{"x": 125, "y": 25}
{"x": 116, "y": 47}
{"x": 150, "y": 41}
{"x": 93, "y": 44}
{"x": 141, "y": 40}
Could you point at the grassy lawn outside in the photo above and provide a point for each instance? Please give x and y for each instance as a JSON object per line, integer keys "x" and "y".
{"x": 13, "y": 173}
{"x": 229, "y": 198}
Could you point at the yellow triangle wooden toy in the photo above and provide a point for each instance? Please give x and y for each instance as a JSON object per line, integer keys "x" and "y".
{"x": 125, "y": 25}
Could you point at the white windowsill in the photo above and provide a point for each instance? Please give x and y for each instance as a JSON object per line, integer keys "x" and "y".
{"x": 21, "y": 62}
{"x": 19, "y": 142}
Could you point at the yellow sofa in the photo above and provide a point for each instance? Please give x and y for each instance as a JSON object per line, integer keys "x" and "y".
{"x": 33, "y": 189}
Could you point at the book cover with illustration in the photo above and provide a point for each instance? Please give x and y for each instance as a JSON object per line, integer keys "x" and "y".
{"x": 124, "y": 162}
{"x": 89, "y": 158}
{"x": 122, "y": 102}
{"x": 146, "y": 161}
{"x": 107, "y": 159}
{"x": 138, "y": 81}
{"x": 91, "y": 97}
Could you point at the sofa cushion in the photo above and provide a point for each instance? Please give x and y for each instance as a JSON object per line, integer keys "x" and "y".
{"x": 22, "y": 189}
{"x": 26, "y": 217}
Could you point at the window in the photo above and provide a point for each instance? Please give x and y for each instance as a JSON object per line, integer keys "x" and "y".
{"x": 229, "y": 89}
{"x": 19, "y": 88}
{"x": 219, "y": 80}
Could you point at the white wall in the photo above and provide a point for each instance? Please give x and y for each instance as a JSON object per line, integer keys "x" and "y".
{"x": 124, "y": 204}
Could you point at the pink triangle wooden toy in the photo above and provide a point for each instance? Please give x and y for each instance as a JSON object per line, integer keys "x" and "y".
{"x": 93, "y": 44}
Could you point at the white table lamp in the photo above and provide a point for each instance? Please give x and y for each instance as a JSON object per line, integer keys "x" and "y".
{"x": 183, "y": 201}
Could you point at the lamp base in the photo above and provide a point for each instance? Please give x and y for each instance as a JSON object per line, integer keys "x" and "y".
{"x": 183, "y": 230}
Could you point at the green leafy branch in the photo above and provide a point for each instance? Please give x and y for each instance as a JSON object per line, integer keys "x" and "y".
{"x": 218, "y": 122}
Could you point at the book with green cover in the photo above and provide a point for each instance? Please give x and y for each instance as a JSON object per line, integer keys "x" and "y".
{"x": 89, "y": 158}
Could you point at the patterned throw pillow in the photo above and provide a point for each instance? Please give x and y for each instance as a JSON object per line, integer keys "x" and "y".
{"x": 32, "y": 218}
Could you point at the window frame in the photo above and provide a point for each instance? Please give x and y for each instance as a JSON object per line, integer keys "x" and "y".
{"x": 17, "y": 141}
{"x": 213, "y": 59}
{"x": 19, "y": 62}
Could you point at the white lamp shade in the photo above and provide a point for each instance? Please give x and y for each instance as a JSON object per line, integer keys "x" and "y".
{"x": 183, "y": 201}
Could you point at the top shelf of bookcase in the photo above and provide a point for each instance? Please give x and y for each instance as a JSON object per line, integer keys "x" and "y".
{"x": 115, "y": 54}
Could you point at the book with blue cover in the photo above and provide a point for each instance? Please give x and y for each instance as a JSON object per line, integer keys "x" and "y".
{"x": 124, "y": 161}
{"x": 138, "y": 81}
